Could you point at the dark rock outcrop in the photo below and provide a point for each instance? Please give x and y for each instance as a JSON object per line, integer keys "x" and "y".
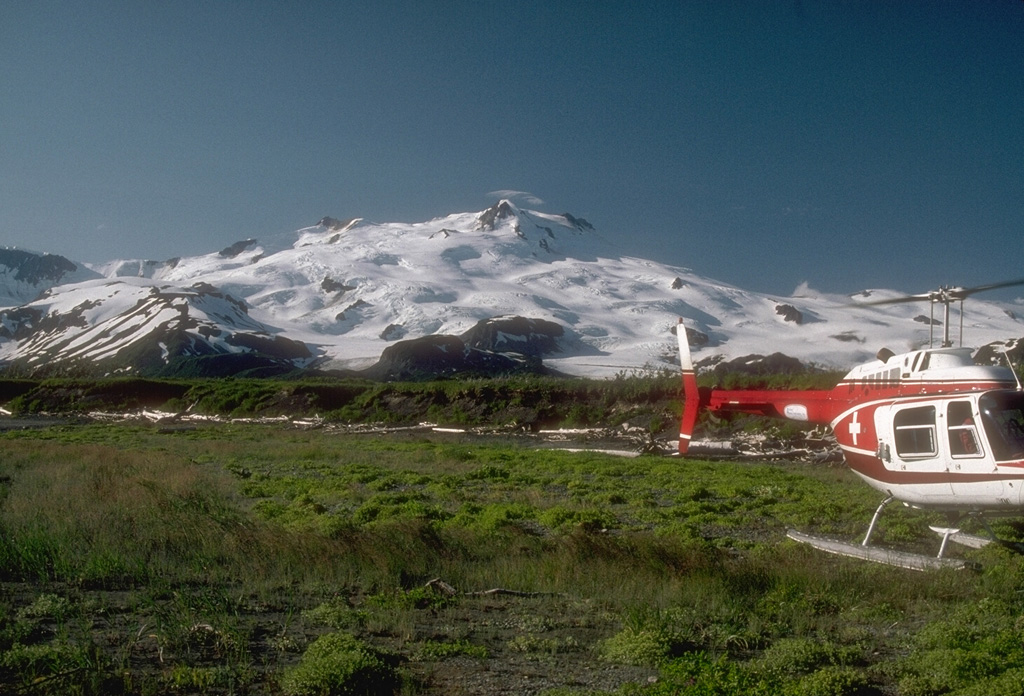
{"x": 528, "y": 337}
{"x": 996, "y": 353}
{"x": 776, "y": 363}
{"x": 35, "y": 269}
{"x": 19, "y": 322}
{"x": 277, "y": 347}
{"x": 393, "y": 332}
{"x": 790, "y": 313}
{"x": 693, "y": 336}
{"x": 578, "y": 223}
{"x": 353, "y": 308}
{"x": 334, "y": 224}
{"x": 434, "y": 357}
{"x": 499, "y": 211}
{"x": 328, "y": 284}
{"x": 697, "y": 338}
{"x": 237, "y": 248}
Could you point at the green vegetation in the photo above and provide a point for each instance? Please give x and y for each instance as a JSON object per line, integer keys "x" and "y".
{"x": 260, "y": 559}
{"x": 527, "y": 402}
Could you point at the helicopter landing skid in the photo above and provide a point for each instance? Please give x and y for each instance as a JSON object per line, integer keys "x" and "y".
{"x": 899, "y": 559}
{"x": 975, "y": 541}
{"x": 957, "y": 537}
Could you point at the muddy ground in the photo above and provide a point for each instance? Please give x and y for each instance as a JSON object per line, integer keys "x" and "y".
{"x": 520, "y": 645}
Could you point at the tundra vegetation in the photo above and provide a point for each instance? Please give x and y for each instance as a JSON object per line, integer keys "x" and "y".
{"x": 242, "y": 558}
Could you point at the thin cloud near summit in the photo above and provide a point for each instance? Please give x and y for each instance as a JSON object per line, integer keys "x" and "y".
{"x": 525, "y": 196}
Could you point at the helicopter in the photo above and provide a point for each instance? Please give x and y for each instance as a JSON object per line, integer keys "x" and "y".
{"x": 927, "y": 428}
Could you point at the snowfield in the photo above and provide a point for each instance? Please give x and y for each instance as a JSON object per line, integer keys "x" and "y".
{"x": 349, "y": 289}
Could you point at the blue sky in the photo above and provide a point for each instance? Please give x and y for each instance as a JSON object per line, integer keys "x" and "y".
{"x": 765, "y": 144}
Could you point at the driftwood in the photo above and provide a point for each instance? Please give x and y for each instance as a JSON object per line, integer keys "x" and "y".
{"x": 439, "y": 585}
{"x": 512, "y": 593}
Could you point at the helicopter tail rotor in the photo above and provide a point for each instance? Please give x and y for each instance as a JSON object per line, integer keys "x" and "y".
{"x": 691, "y": 394}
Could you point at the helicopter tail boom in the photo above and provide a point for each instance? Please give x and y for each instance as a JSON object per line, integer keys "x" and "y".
{"x": 806, "y": 405}
{"x": 809, "y": 406}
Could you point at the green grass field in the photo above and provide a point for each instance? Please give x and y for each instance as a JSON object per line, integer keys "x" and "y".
{"x": 244, "y": 559}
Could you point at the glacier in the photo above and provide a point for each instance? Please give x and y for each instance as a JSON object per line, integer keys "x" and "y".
{"x": 346, "y": 290}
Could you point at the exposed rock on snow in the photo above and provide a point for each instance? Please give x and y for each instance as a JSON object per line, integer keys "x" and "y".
{"x": 790, "y": 313}
{"x": 237, "y": 248}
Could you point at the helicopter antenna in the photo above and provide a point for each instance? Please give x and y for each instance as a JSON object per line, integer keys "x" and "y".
{"x": 1006, "y": 354}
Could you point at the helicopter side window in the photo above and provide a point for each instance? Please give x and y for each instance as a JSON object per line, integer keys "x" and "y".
{"x": 1002, "y": 414}
{"x": 963, "y": 434}
{"x": 914, "y": 430}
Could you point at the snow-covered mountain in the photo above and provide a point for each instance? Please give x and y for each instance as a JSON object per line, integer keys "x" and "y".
{"x": 347, "y": 290}
{"x": 136, "y": 326}
{"x": 24, "y": 274}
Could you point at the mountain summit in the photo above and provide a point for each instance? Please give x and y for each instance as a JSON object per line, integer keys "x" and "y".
{"x": 341, "y": 292}
{"x": 24, "y": 274}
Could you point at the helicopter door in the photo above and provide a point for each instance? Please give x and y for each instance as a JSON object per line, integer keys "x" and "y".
{"x": 965, "y": 444}
{"x": 907, "y": 437}
{"x": 909, "y": 443}
{"x": 968, "y": 454}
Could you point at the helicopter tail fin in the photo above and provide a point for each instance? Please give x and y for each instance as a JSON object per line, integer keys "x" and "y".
{"x": 691, "y": 395}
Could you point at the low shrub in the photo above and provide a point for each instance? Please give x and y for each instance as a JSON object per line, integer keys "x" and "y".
{"x": 335, "y": 613}
{"x": 338, "y": 664}
{"x": 831, "y": 681}
{"x": 979, "y": 648}
{"x": 698, "y": 674}
{"x": 650, "y": 638}
{"x": 798, "y": 656}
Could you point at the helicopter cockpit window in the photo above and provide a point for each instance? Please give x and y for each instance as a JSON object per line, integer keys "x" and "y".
{"x": 963, "y": 433}
{"x": 914, "y": 429}
{"x": 1002, "y": 414}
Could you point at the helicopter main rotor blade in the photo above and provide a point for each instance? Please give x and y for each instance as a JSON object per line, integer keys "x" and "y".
{"x": 942, "y": 295}
{"x": 895, "y": 300}
{"x": 966, "y": 292}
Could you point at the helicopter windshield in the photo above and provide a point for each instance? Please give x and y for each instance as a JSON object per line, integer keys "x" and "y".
{"x": 1003, "y": 416}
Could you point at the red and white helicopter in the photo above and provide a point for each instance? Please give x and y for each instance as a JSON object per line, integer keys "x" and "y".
{"x": 927, "y": 428}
